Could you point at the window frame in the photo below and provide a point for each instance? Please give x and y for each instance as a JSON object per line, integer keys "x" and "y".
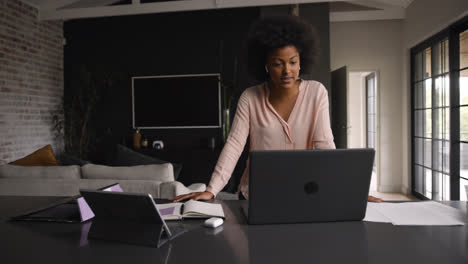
{"x": 452, "y": 34}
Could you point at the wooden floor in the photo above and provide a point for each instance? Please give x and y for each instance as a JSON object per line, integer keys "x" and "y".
{"x": 393, "y": 196}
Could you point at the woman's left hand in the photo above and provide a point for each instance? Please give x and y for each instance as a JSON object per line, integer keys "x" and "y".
{"x": 373, "y": 199}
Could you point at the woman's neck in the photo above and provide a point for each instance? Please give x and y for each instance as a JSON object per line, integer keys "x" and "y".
{"x": 277, "y": 91}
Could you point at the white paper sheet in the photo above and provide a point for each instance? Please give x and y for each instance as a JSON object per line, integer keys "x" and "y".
{"x": 415, "y": 213}
{"x": 373, "y": 215}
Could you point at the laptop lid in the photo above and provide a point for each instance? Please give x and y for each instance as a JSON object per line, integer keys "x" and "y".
{"x": 130, "y": 207}
{"x": 67, "y": 210}
{"x": 294, "y": 186}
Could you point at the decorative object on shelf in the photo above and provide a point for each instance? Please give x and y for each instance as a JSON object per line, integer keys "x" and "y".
{"x": 144, "y": 143}
{"x": 137, "y": 139}
{"x": 158, "y": 144}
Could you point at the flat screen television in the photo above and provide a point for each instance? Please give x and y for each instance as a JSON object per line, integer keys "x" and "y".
{"x": 176, "y": 101}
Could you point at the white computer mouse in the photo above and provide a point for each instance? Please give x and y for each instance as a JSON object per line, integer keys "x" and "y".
{"x": 214, "y": 222}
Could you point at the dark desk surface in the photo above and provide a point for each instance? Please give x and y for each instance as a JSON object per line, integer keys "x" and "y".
{"x": 235, "y": 242}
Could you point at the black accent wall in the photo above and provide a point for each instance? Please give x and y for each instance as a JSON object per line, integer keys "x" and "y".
{"x": 102, "y": 54}
{"x": 117, "y": 48}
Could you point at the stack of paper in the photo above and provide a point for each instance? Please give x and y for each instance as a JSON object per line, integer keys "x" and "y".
{"x": 414, "y": 213}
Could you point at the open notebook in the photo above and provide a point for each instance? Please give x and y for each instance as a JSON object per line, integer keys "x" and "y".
{"x": 190, "y": 209}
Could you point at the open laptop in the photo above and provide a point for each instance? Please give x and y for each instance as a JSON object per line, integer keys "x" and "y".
{"x": 297, "y": 186}
{"x": 67, "y": 210}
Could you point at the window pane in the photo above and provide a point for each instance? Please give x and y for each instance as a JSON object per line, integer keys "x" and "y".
{"x": 419, "y": 184}
{"x": 446, "y": 123}
{"x": 463, "y": 189}
{"x": 464, "y": 123}
{"x": 427, "y": 63}
{"x": 428, "y": 182}
{"x": 438, "y": 93}
{"x": 418, "y": 67}
{"x": 418, "y": 151}
{"x": 428, "y": 153}
{"x": 446, "y": 157}
{"x": 445, "y": 54}
{"x": 374, "y": 106}
{"x": 418, "y": 95}
{"x": 428, "y": 123}
{"x": 437, "y": 155}
{"x": 419, "y": 123}
{"x": 464, "y": 49}
{"x": 370, "y": 87}
{"x": 436, "y": 186}
{"x": 370, "y": 105}
{"x": 446, "y": 90}
{"x": 437, "y": 53}
{"x": 446, "y": 187}
{"x": 464, "y": 87}
{"x": 428, "y": 93}
{"x": 441, "y": 91}
{"x": 441, "y": 56}
{"x": 464, "y": 160}
{"x": 438, "y": 126}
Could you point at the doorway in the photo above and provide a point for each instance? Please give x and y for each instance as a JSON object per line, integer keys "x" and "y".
{"x": 363, "y": 116}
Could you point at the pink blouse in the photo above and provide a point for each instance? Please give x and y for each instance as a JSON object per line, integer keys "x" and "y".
{"x": 308, "y": 127}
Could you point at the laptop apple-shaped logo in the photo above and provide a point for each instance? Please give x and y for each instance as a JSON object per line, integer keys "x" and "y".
{"x": 311, "y": 187}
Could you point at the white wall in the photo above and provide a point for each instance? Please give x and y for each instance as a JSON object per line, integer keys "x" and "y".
{"x": 424, "y": 18}
{"x": 376, "y": 46}
{"x": 31, "y": 80}
{"x": 356, "y": 110}
{"x": 384, "y": 46}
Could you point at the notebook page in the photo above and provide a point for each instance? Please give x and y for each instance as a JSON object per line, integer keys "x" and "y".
{"x": 194, "y": 208}
{"x": 170, "y": 211}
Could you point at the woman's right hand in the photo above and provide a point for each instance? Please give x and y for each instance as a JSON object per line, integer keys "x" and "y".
{"x": 194, "y": 196}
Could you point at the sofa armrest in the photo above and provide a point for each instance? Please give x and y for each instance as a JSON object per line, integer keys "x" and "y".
{"x": 171, "y": 189}
{"x": 153, "y": 172}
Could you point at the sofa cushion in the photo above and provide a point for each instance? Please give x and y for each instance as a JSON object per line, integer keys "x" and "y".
{"x": 39, "y": 187}
{"x": 133, "y": 186}
{"x": 61, "y": 187}
{"x": 128, "y": 157}
{"x": 40, "y": 172}
{"x": 41, "y": 157}
{"x": 66, "y": 159}
{"x": 155, "y": 172}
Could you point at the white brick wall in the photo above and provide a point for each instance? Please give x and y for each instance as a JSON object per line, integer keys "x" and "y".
{"x": 31, "y": 79}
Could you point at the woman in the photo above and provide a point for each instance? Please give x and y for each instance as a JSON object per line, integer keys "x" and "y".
{"x": 284, "y": 111}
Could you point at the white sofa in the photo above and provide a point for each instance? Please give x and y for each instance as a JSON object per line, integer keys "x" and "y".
{"x": 155, "y": 179}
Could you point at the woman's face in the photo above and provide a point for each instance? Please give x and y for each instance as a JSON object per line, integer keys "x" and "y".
{"x": 283, "y": 67}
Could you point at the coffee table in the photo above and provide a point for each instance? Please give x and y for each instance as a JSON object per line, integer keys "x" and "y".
{"x": 234, "y": 242}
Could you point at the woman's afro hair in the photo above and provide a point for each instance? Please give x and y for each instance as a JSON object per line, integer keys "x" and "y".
{"x": 270, "y": 33}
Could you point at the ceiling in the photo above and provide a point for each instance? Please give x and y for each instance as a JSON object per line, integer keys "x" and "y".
{"x": 343, "y": 10}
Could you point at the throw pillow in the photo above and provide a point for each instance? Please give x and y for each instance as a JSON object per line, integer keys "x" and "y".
{"x": 154, "y": 172}
{"x": 66, "y": 159}
{"x": 128, "y": 157}
{"x": 41, "y": 157}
